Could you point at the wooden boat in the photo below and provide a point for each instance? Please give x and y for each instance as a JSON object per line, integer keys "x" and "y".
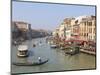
{"x": 72, "y": 51}
{"x": 30, "y": 63}
{"x": 88, "y": 50}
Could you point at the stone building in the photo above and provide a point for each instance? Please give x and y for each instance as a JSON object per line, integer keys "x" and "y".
{"x": 82, "y": 28}
{"x": 23, "y": 29}
{"x": 68, "y": 22}
{"x": 61, "y": 31}
{"x": 14, "y": 31}
{"x": 87, "y": 30}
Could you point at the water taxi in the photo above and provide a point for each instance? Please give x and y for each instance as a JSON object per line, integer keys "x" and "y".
{"x": 22, "y": 51}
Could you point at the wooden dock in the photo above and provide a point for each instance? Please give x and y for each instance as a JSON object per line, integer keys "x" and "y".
{"x": 88, "y": 52}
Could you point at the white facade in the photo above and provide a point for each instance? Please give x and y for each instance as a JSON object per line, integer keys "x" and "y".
{"x": 54, "y": 33}
{"x": 61, "y": 31}
{"x": 68, "y": 35}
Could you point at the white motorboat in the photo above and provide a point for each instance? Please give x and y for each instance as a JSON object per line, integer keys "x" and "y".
{"x": 53, "y": 46}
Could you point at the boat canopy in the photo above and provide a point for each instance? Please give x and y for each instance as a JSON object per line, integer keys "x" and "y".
{"x": 22, "y": 47}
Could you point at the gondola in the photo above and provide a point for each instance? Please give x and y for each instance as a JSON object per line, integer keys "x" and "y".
{"x": 30, "y": 63}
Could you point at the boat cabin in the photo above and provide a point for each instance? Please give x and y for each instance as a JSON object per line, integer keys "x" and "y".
{"x": 22, "y": 51}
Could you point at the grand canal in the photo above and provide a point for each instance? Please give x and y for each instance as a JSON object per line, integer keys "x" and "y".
{"x": 57, "y": 58}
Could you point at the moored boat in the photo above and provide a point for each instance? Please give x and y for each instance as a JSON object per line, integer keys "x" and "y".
{"x": 72, "y": 51}
{"x": 53, "y": 46}
{"x": 88, "y": 50}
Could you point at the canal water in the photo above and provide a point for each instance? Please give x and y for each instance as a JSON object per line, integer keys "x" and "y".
{"x": 58, "y": 61}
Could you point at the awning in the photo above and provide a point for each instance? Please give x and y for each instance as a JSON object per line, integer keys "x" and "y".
{"x": 77, "y": 41}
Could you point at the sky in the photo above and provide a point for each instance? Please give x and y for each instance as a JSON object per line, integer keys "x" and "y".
{"x": 47, "y": 16}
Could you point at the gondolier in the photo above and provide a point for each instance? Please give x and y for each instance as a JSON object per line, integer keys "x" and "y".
{"x": 39, "y": 58}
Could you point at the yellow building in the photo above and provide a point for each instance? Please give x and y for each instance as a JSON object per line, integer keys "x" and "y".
{"x": 88, "y": 28}
{"x": 68, "y": 23}
{"x": 80, "y": 28}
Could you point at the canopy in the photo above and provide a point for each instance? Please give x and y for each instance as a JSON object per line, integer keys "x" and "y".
{"x": 22, "y": 47}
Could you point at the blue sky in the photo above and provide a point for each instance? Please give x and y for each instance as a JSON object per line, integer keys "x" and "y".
{"x": 47, "y": 16}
